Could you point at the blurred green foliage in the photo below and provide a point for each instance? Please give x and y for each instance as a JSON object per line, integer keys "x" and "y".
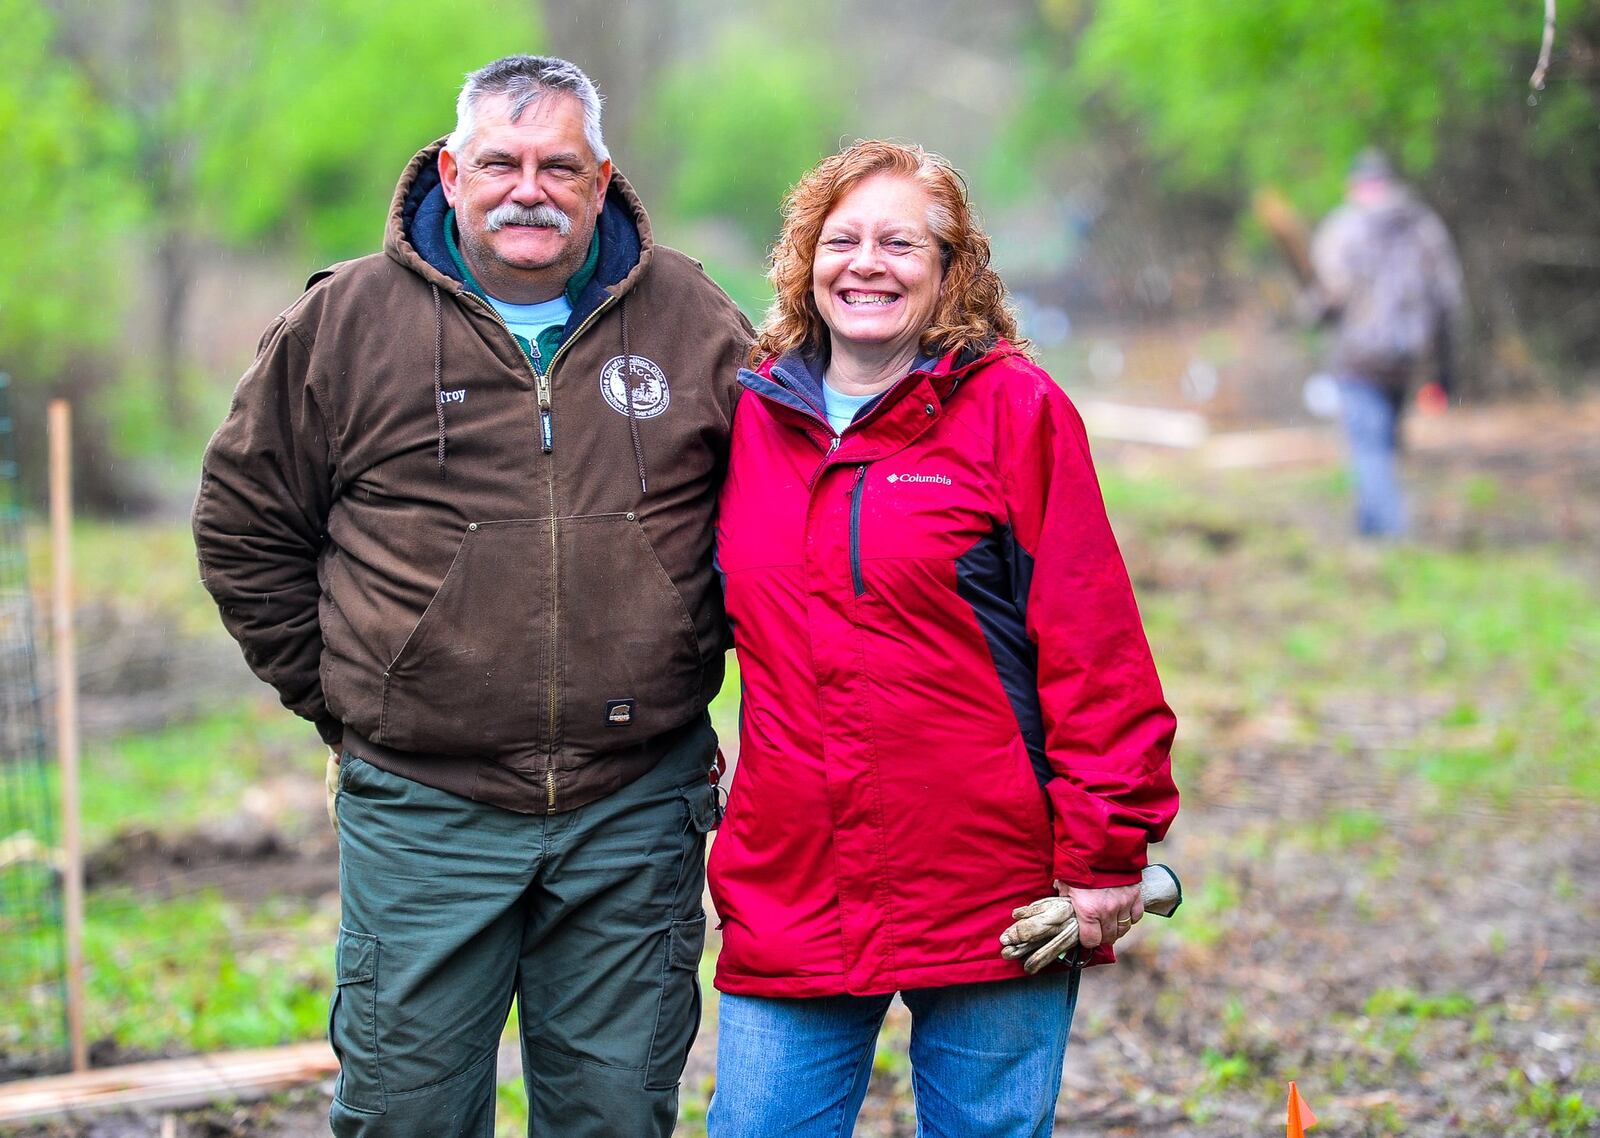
{"x": 310, "y": 127}
{"x": 1290, "y": 89}
{"x": 1284, "y": 92}
{"x": 65, "y": 204}
{"x": 151, "y": 137}
{"x": 221, "y": 125}
{"x": 1237, "y": 95}
{"x": 739, "y": 130}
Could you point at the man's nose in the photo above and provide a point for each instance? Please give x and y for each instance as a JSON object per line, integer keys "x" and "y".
{"x": 528, "y": 190}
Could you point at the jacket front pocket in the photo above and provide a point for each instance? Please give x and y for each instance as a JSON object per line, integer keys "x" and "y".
{"x": 353, "y": 1023}
{"x": 471, "y": 676}
{"x": 631, "y": 667}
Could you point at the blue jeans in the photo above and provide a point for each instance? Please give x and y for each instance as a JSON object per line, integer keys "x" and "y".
{"x": 985, "y": 1060}
{"x": 1372, "y": 429}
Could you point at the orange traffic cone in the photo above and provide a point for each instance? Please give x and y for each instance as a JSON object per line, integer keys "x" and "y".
{"x": 1300, "y": 1117}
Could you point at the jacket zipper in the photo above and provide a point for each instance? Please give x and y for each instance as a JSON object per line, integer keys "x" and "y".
{"x": 541, "y": 379}
{"x": 855, "y": 529}
{"x": 542, "y": 387}
{"x": 555, "y": 625}
{"x": 823, "y": 465}
{"x": 555, "y": 566}
{"x": 603, "y": 306}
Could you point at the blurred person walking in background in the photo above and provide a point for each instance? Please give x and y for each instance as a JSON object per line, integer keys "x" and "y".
{"x": 1389, "y": 281}
{"x": 949, "y": 706}
{"x": 460, "y": 517}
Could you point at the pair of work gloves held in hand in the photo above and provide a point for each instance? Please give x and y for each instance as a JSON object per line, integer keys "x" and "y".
{"x": 1048, "y": 929}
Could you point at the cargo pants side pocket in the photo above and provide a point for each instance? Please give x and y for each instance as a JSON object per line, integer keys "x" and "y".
{"x": 678, "y": 1020}
{"x": 353, "y": 1023}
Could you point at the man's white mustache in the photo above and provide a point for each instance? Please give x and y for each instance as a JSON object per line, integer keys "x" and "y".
{"x": 543, "y": 216}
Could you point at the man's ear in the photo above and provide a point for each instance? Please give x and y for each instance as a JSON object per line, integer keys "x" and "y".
{"x": 602, "y": 180}
{"x": 448, "y": 172}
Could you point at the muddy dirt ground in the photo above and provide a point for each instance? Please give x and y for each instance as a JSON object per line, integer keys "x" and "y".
{"x": 1434, "y": 974}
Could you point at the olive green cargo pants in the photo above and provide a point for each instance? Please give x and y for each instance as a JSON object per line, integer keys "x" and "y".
{"x": 591, "y": 919}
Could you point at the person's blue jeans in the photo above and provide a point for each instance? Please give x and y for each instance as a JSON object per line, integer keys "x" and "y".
{"x": 985, "y": 1060}
{"x": 1372, "y": 429}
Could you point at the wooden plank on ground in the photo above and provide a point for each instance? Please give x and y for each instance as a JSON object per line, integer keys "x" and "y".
{"x": 173, "y": 1084}
{"x": 1476, "y": 431}
{"x": 1282, "y": 447}
{"x": 1155, "y": 426}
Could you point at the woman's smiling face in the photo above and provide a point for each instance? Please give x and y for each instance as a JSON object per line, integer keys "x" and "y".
{"x": 877, "y": 270}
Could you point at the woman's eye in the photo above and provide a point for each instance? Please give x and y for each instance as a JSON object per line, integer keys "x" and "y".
{"x": 838, "y": 243}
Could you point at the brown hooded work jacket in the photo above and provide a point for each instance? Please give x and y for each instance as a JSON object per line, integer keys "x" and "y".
{"x": 486, "y": 580}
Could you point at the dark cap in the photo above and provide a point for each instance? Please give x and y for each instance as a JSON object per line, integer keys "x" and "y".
{"x": 1371, "y": 166}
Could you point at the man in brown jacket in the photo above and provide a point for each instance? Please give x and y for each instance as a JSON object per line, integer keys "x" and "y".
{"x": 459, "y": 516}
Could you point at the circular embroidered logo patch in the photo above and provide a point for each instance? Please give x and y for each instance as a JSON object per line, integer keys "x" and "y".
{"x": 649, "y": 386}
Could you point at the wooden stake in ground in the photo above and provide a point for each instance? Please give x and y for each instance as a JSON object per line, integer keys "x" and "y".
{"x": 67, "y": 718}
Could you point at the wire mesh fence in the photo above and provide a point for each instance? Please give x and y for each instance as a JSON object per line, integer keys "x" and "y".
{"x": 33, "y": 1036}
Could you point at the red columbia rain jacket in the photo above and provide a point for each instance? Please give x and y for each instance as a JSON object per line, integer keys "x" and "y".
{"x": 948, "y": 699}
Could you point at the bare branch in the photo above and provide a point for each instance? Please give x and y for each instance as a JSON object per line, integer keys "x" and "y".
{"x": 1536, "y": 81}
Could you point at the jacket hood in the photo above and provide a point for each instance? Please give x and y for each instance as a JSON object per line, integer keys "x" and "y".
{"x": 415, "y": 238}
{"x": 414, "y": 233}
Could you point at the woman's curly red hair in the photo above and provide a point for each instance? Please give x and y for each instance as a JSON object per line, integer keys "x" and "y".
{"x": 972, "y": 311}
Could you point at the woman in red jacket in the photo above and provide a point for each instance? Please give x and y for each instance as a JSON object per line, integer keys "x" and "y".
{"x": 949, "y": 707}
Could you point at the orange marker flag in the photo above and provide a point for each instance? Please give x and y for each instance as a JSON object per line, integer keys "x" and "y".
{"x": 1300, "y": 1117}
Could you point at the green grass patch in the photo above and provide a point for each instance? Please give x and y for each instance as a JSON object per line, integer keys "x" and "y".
{"x": 169, "y": 780}
{"x": 1225, "y": 1070}
{"x": 1405, "y": 1003}
{"x": 1558, "y": 1114}
{"x": 194, "y": 973}
{"x": 1506, "y": 639}
{"x": 149, "y": 567}
{"x": 1345, "y": 830}
{"x": 511, "y": 1109}
{"x": 1203, "y": 920}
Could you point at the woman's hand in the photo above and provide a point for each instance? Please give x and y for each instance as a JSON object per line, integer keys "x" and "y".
{"x": 1104, "y": 915}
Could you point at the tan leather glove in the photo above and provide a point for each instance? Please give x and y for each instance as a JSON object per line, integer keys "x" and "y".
{"x": 331, "y": 780}
{"x": 1047, "y": 929}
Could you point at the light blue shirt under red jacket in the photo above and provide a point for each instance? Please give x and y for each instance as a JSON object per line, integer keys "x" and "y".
{"x": 949, "y": 701}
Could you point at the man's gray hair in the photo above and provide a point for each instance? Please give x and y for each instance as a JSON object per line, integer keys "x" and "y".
{"x": 525, "y": 79}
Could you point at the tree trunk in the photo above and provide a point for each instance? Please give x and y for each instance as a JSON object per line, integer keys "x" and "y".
{"x": 174, "y": 282}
